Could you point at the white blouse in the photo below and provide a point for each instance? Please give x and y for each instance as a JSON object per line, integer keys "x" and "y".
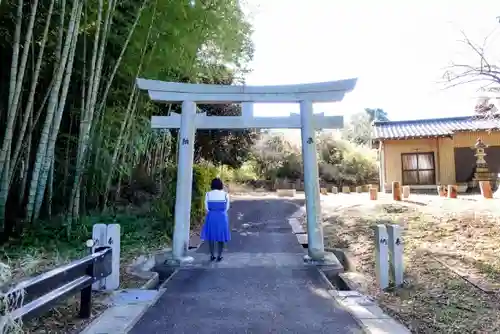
{"x": 218, "y": 196}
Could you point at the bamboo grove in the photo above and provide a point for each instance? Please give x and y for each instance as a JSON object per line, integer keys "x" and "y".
{"x": 73, "y": 124}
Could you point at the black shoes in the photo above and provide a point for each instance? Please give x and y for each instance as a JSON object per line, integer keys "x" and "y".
{"x": 219, "y": 258}
{"x": 212, "y": 258}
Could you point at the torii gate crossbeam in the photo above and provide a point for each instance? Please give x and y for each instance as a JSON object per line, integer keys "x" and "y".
{"x": 189, "y": 121}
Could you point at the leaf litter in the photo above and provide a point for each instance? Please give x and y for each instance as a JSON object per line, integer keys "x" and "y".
{"x": 451, "y": 256}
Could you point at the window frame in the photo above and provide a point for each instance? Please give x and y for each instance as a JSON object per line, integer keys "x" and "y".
{"x": 418, "y": 170}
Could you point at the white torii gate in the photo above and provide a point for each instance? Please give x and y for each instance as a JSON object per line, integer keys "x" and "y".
{"x": 189, "y": 121}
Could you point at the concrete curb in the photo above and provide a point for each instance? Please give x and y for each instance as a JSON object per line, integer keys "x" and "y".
{"x": 142, "y": 267}
{"x": 161, "y": 290}
{"x": 365, "y": 311}
{"x": 121, "y": 318}
{"x": 152, "y": 282}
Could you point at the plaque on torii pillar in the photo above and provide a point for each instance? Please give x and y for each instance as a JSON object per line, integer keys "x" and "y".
{"x": 188, "y": 121}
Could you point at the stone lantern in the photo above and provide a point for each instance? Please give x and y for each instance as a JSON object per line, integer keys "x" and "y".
{"x": 480, "y": 154}
{"x": 481, "y": 172}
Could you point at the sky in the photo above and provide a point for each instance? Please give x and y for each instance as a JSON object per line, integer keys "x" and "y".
{"x": 398, "y": 50}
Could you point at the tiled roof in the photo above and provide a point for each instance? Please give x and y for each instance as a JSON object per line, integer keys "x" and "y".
{"x": 435, "y": 127}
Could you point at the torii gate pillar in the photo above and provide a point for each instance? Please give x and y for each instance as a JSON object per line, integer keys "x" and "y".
{"x": 315, "y": 240}
{"x": 184, "y": 189}
{"x": 189, "y": 121}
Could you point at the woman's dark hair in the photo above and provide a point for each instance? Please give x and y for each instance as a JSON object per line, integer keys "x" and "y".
{"x": 217, "y": 184}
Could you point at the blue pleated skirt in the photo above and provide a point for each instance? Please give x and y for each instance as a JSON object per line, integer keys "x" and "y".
{"x": 216, "y": 227}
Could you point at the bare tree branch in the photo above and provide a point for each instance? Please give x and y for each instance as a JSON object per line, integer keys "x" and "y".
{"x": 483, "y": 71}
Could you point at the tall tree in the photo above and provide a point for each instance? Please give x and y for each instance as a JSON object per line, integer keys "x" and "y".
{"x": 358, "y": 129}
{"x": 377, "y": 114}
{"x": 227, "y": 147}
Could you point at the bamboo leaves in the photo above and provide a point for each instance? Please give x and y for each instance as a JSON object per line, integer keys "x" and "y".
{"x": 93, "y": 87}
{"x": 132, "y": 104}
{"x": 74, "y": 121}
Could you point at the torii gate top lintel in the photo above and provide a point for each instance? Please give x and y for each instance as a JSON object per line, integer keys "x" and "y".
{"x": 332, "y": 91}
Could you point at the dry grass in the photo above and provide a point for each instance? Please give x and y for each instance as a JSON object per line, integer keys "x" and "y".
{"x": 444, "y": 241}
{"x": 64, "y": 318}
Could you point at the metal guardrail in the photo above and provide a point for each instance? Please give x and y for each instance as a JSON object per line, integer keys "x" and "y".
{"x": 42, "y": 292}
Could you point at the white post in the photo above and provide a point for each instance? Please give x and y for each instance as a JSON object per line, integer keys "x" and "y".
{"x": 382, "y": 256}
{"x": 184, "y": 181}
{"x": 396, "y": 252}
{"x": 381, "y": 167}
{"x": 311, "y": 184}
{"x": 112, "y": 282}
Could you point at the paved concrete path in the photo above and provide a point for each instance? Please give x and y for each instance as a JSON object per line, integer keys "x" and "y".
{"x": 261, "y": 285}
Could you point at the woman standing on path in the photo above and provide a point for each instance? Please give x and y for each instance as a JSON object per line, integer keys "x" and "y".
{"x": 216, "y": 227}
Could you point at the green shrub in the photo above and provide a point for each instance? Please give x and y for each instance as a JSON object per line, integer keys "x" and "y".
{"x": 345, "y": 163}
{"x": 202, "y": 177}
{"x": 245, "y": 173}
{"x": 339, "y": 161}
{"x": 165, "y": 206}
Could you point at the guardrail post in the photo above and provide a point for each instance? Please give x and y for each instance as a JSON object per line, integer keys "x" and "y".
{"x": 396, "y": 253}
{"x": 382, "y": 256}
{"x": 86, "y": 295}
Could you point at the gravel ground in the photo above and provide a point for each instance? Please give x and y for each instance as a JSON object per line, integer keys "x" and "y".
{"x": 452, "y": 258}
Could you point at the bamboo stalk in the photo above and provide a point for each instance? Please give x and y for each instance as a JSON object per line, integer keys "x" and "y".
{"x": 49, "y": 158}
{"x": 50, "y": 189}
{"x": 34, "y": 83}
{"x": 14, "y": 97}
{"x": 5, "y": 152}
{"x": 102, "y": 104}
{"x": 53, "y": 100}
{"x": 132, "y": 105}
{"x": 74, "y": 204}
{"x": 67, "y": 157}
{"x": 26, "y": 162}
{"x": 15, "y": 54}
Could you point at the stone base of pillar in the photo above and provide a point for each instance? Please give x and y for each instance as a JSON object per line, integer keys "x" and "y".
{"x": 326, "y": 261}
{"x": 406, "y": 191}
{"x": 173, "y": 262}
